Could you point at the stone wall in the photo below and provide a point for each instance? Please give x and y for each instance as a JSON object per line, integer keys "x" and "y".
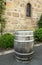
{"x": 16, "y": 14}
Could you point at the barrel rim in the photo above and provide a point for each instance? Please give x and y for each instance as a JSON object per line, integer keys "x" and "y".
{"x": 24, "y": 35}
{"x": 23, "y": 40}
{"x": 23, "y": 30}
{"x": 24, "y": 53}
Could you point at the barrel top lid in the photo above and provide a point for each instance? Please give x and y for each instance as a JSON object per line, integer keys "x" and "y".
{"x": 24, "y": 30}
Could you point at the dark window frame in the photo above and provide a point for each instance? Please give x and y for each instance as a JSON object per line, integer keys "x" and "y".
{"x": 28, "y": 10}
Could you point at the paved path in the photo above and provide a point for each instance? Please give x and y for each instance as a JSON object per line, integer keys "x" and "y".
{"x": 9, "y": 59}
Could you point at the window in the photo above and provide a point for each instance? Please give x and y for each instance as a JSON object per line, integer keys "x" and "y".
{"x": 28, "y": 10}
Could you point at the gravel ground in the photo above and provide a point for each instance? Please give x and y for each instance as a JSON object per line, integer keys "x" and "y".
{"x": 9, "y": 59}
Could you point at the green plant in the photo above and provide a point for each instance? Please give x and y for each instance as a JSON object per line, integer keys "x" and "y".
{"x": 40, "y": 22}
{"x": 7, "y": 41}
{"x": 38, "y": 35}
{"x": 2, "y": 18}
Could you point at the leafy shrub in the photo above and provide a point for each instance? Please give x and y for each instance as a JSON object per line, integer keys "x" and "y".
{"x": 40, "y": 22}
{"x": 38, "y": 35}
{"x": 7, "y": 41}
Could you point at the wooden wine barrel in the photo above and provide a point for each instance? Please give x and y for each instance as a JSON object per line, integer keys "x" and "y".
{"x": 23, "y": 44}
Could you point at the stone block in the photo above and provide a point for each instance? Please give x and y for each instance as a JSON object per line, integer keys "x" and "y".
{"x": 15, "y": 14}
{"x": 9, "y": 4}
{"x": 9, "y": 13}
